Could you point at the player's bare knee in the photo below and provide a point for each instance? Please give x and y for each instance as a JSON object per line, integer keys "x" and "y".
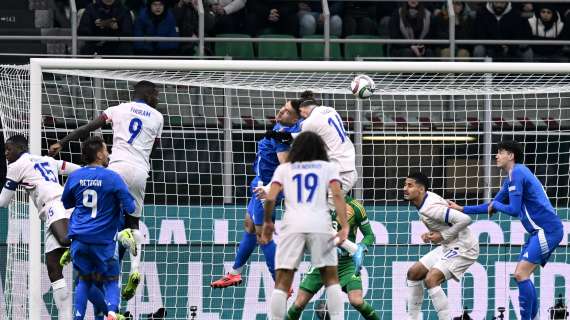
{"x": 434, "y": 278}
{"x": 355, "y": 299}
{"x": 55, "y": 271}
{"x": 416, "y": 272}
{"x": 520, "y": 276}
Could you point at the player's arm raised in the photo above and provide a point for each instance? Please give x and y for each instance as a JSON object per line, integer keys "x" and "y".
{"x": 66, "y": 168}
{"x": 483, "y": 208}
{"x": 78, "y": 133}
{"x": 515, "y": 192}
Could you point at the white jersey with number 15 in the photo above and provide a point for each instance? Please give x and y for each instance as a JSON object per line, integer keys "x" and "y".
{"x": 136, "y": 126}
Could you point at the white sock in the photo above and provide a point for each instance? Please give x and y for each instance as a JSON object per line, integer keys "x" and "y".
{"x": 278, "y": 305}
{"x": 415, "y": 299}
{"x": 335, "y": 302}
{"x": 440, "y": 303}
{"x": 236, "y": 271}
{"x": 136, "y": 260}
{"x": 62, "y": 299}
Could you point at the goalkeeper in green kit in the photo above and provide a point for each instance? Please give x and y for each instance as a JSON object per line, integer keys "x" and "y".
{"x": 348, "y": 267}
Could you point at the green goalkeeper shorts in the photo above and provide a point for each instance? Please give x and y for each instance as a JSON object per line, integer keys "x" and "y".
{"x": 312, "y": 282}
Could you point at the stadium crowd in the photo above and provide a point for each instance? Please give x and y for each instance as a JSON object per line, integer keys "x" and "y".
{"x": 397, "y": 20}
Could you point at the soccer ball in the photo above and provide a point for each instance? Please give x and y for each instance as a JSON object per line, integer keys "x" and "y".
{"x": 362, "y": 86}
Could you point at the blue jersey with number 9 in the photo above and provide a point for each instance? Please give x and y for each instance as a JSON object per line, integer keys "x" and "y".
{"x": 99, "y": 196}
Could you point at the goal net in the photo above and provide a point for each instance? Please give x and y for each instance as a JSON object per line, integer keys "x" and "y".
{"x": 444, "y": 123}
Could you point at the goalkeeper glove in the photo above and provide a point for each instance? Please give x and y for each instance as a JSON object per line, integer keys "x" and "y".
{"x": 358, "y": 258}
{"x": 283, "y": 137}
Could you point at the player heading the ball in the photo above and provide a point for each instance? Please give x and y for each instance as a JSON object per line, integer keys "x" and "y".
{"x": 305, "y": 180}
{"x": 523, "y": 196}
{"x": 458, "y": 249}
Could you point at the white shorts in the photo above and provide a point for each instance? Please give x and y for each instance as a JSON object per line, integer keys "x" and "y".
{"x": 449, "y": 262}
{"x": 348, "y": 181}
{"x": 291, "y": 248}
{"x": 136, "y": 182}
{"x": 50, "y": 213}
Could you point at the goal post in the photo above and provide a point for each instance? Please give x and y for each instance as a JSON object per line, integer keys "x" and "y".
{"x": 439, "y": 117}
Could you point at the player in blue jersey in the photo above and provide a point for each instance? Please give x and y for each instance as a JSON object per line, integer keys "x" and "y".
{"x": 270, "y": 153}
{"x": 99, "y": 197}
{"x": 523, "y": 196}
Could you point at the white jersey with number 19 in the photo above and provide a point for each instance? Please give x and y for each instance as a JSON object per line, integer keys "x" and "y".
{"x": 305, "y": 186}
{"x": 327, "y": 123}
{"x": 136, "y": 126}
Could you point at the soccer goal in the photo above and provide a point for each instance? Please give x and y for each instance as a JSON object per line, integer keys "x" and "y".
{"x": 440, "y": 118}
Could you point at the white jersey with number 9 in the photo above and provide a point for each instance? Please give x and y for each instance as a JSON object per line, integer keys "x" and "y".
{"x": 136, "y": 126}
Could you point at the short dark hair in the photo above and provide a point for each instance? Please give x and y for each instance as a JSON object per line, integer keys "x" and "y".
{"x": 90, "y": 147}
{"x": 420, "y": 178}
{"x": 18, "y": 140}
{"x": 307, "y": 99}
{"x": 513, "y": 147}
{"x": 308, "y": 146}
{"x": 144, "y": 88}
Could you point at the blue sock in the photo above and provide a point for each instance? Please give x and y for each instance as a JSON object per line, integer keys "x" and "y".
{"x": 527, "y": 298}
{"x": 98, "y": 300}
{"x": 80, "y": 298}
{"x": 246, "y": 247}
{"x": 269, "y": 252}
{"x": 534, "y": 303}
{"x": 112, "y": 294}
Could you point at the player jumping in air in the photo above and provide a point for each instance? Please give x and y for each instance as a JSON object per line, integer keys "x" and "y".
{"x": 270, "y": 154}
{"x": 305, "y": 181}
{"x": 137, "y": 127}
{"x": 523, "y": 196}
{"x": 458, "y": 248}
{"x": 99, "y": 196}
{"x": 327, "y": 123}
{"x": 348, "y": 271}
{"x": 39, "y": 176}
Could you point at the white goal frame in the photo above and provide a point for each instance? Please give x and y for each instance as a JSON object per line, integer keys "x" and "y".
{"x": 39, "y": 65}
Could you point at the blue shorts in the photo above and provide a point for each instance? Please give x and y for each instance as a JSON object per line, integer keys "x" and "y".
{"x": 255, "y": 206}
{"x": 95, "y": 258}
{"x": 539, "y": 246}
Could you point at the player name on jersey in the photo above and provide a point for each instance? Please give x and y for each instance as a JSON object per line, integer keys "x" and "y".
{"x": 140, "y": 112}
{"x": 90, "y": 183}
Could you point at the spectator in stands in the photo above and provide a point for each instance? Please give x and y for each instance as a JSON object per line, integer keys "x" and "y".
{"x": 106, "y": 18}
{"x": 272, "y": 16}
{"x": 311, "y": 18}
{"x": 360, "y": 17}
{"x": 156, "y": 20}
{"x": 497, "y": 20}
{"x": 546, "y": 24}
{"x": 227, "y": 15}
{"x": 186, "y": 14}
{"x": 411, "y": 21}
{"x": 463, "y": 28}
{"x": 526, "y": 10}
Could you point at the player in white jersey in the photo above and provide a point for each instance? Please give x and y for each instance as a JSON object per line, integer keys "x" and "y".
{"x": 458, "y": 249}
{"x": 39, "y": 177}
{"x": 305, "y": 180}
{"x": 327, "y": 123}
{"x": 137, "y": 127}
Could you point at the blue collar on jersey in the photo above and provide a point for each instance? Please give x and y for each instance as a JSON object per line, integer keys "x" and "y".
{"x": 140, "y": 101}
{"x": 423, "y": 201}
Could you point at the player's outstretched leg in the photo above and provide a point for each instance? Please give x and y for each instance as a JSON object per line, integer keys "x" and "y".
{"x": 247, "y": 244}
{"x": 364, "y": 308}
{"x": 131, "y": 238}
{"x": 527, "y": 292}
{"x": 80, "y": 298}
{"x": 97, "y": 298}
{"x": 111, "y": 289}
{"x": 415, "y": 276}
{"x": 304, "y": 296}
{"x": 335, "y": 303}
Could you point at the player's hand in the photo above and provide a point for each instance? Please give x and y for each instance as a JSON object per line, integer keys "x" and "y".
{"x": 267, "y": 232}
{"x": 435, "y": 237}
{"x": 490, "y": 209}
{"x": 425, "y": 237}
{"x": 283, "y": 137}
{"x": 358, "y": 258}
{"x": 54, "y": 149}
{"x": 454, "y": 206}
{"x": 65, "y": 258}
{"x": 341, "y": 235}
{"x": 260, "y": 192}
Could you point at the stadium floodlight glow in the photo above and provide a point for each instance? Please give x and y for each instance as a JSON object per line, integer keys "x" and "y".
{"x": 420, "y": 138}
